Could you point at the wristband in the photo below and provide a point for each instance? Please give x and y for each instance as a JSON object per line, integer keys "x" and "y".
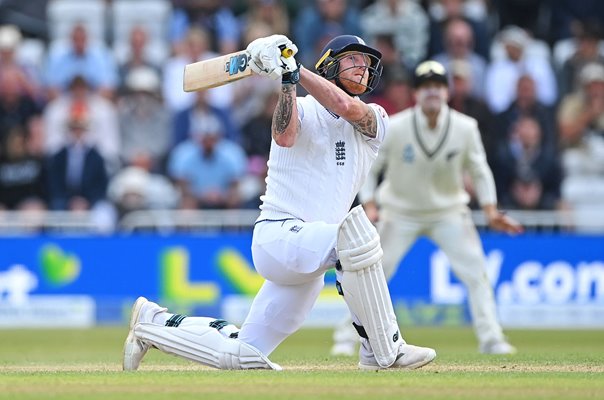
{"x": 292, "y": 77}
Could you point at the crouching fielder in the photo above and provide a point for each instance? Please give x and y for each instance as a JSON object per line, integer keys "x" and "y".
{"x": 322, "y": 149}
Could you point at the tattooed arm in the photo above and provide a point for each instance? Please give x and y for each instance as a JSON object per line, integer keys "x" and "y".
{"x": 285, "y": 126}
{"x": 353, "y": 110}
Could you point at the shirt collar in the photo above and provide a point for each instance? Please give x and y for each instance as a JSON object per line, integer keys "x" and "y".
{"x": 423, "y": 120}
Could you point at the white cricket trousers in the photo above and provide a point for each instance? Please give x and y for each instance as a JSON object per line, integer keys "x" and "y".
{"x": 293, "y": 257}
{"x": 455, "y": 234}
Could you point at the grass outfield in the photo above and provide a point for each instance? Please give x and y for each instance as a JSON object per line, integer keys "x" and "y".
{"x": 86, "y": 364}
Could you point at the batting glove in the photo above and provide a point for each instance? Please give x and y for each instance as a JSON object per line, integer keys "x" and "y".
{"x": 265, "y": 55}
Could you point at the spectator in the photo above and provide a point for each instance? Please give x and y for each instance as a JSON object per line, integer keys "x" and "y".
{"x": 250, "y": 93}
{"x": 319, "y": 22}
{"x": 102, "y": 129}
{"x": 502, "y": 74}
{"x": 28, "y": 77}
{"x": 395, "y": 92}
{"x": 581, "y": 113}
{"x": 526, "y": 14}
{"x": 581, "y": 125}
{"x": 135, "y": 188}
{"x": 564, "y": 12}
{"x": 405, "y": 21}
{"x": 207, "y": 168}
{"x": 184, "y": 121}
{"x": 78, "y": 175}
{"x": 16, "y": 107}
{"x": 527, "y": 171}
{"x": 212, "y": 16}
{"x": 459, "y": 45}
{"x": 588, "y": 35}
{"x": 144, "y": 122}
{"x": 527, "y": 104}
{"x": 81, "y": 58}
{"x": 583, "y": 184}
{"x": 273, "y": 13}
{"x": 137, "y": 55}
{"x": 463, "y": 100}
{"x": 441, "y": 12}
{"x": 195, "y": 48}
{"x": 256, "y": 138}
{"x": 22, "y": 174}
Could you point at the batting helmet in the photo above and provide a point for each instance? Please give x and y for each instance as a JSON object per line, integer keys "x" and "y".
{"x": 328, "y": 65}
{"x": 430, "y": 71}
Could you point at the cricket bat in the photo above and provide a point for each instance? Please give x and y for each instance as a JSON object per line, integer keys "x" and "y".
{"x": 220, "y": 70}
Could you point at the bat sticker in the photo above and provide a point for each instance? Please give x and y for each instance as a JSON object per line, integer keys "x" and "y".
{"x": 237, "y": 63}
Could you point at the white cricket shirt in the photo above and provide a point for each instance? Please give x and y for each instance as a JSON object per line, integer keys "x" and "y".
{"x": 424, "y": 168}
{"x": 318, "y": 178}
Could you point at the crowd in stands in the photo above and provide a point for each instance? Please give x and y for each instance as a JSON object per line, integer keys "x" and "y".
{"x": 93, "y": 115}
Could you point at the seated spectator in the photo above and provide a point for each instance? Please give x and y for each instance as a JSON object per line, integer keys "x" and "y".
{"x": 527, "y": 104}
{"x": 395, "y": 92}
{"x": 144, "y": 122}
{"x": 319, "y": 22}
{"x": 581, "y": 113}
{"x": 102, "y": 130}
{"x": 588, "y": 35}
{"x": 17, "y": 108}
{"x": 27, "y": 76}
{"x": 212, "y": 16}
{"x": 77, "y": 176}
{"x": 273, "y": 13}
{"x": 80, "y": 58}
{"x": 405, "y": 21}
{"x": 527, "y": 172}
{"x": 462, "y": 100}
{"x": 502, "y": 74}
{"x": 256, "y": 134}
{"x": 459, "y": 45}
{"x": 253, "y": 184}
{"x": 135, "y": 188}
{"x": 473, "y": 13}
{"x": 184, "y": 120}
{"x": 583, "y": 184}
{"x": 195, "y": 47}
{"x": 250, "y": 93}
{"x": 208, "y": 168}
{"x": 22, "y": 174}
{"x": 137, "y": 56}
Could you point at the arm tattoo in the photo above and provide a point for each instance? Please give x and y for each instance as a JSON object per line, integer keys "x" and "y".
{"x": 367, "y": 125}
{"x": 283, "y": 113}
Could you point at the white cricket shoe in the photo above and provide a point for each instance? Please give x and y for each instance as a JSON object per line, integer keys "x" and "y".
{"x": 409, "y": 357}
{"x": 499, "y": 347}
{"x": 134, "y": 350}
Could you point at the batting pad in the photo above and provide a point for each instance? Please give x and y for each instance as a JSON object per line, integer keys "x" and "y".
{"x": 364, "y": 285}
{"x": 204, "y": 345}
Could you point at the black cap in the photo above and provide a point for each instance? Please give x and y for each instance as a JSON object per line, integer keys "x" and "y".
{"x": 430, "y": 71}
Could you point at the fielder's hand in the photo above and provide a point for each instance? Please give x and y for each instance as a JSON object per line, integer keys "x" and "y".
{"x": 266, "y": 55}
{"x": 501, "y": 222}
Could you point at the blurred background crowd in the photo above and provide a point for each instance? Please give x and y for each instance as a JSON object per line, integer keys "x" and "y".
{"x": 93, "y": 115}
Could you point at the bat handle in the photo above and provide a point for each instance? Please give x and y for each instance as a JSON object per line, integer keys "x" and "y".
{"x": 286, "y": 51}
